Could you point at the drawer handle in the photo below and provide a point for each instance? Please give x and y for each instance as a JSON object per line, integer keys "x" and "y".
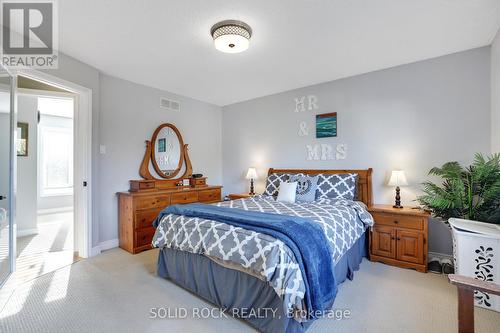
{"x": 393, "y": 238}
{"x": 398, "y": 238}
{"x": 396, "y": 222}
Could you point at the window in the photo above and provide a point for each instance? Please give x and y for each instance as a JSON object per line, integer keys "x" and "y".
{"x": 56, "y": 148}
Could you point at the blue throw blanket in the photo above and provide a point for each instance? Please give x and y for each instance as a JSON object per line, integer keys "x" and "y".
{"x": 305, "y": 239}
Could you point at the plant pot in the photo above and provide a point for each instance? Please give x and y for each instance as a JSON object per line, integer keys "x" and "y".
{"x": 476, "y": 251}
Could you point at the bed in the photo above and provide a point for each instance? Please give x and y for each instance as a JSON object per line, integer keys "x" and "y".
{"x": 260, "y": 276}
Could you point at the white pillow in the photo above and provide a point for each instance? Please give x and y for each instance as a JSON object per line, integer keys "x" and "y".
{"x": 287, "y": 192}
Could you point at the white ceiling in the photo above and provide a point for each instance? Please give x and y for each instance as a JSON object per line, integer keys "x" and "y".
{"x": 167, "y": 45}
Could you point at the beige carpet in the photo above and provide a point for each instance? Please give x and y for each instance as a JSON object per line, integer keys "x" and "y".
{"x": 47, "y": 251}
{"x": 115, "y": 291}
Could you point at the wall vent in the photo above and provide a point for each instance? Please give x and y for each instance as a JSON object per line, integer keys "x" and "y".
{"x": 169, "y": 104}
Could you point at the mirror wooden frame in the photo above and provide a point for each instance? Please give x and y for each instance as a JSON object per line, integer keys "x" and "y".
{"x": 153, "y": 151}
{"x": 149, "y": 156}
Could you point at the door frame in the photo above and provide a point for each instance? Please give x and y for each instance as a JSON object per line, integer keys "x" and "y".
{"x": 82, "y": 158}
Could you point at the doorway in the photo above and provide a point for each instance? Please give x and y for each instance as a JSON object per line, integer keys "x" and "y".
{"x": 82, "y": 162}
{"x": 45, "y": 186}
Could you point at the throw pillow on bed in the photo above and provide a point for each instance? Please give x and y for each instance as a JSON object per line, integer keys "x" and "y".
{"x": 287, "y": 192}
{"x": 306, "y": 187}
{"x": 273, "y": 183}
{"x": 338, "y": 186}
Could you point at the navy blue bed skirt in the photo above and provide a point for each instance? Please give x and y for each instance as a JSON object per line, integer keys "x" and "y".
{"x": 232, "y": 289}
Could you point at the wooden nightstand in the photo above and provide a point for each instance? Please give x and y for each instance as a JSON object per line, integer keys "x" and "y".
{"x": 399, "y": 237}
{"x": 235, "y": 196}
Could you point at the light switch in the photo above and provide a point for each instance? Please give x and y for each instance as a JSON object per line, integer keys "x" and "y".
{"x": 102, "y": 149}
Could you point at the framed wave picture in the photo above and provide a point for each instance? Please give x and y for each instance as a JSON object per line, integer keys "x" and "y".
{"x": 326, "y": 125}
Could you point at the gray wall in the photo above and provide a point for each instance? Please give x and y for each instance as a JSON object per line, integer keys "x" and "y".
{"x": 27, "y": 168}
{"x": 495, "y": 94}
{"x": 129, "y": 115}
{"x": 411, "y": 117}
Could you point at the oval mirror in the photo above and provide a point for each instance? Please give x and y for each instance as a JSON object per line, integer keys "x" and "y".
{"x": 167, "y": 151}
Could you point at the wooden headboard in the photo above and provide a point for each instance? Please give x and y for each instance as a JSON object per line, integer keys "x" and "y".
{"x": 364, "y": 186}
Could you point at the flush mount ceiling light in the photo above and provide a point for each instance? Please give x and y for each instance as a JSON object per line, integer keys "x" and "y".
{"x": 231, "y": 36}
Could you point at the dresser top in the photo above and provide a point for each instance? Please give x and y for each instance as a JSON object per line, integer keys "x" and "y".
{"x": 402, "y": 211}
{"x": 179, "y": 189}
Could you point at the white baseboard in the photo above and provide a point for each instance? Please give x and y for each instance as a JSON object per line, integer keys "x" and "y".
{"x": 26, "y": 232}
{"x": 109, "y": 244}
{"x": 103, "y": 246}
{"x": 440, "y": 256}
{"x": 96, "y": 250}
{"x": 54, "y": 210}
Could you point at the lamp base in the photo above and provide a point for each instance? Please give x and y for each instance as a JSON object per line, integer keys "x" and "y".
{"x": 397, "y": 203}
{"x": 251, "y": 188}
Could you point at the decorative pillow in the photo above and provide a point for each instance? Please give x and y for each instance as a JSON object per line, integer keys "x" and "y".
{"x": 339, "y": 186}
{"x": 287, "y": 192}
{"x": 273, "y": 183}
{"x": 306, "y": 187}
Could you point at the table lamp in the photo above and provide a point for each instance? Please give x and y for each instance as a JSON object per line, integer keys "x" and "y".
{"x": 251, "y": 174}
{"x": 398, "y": 178}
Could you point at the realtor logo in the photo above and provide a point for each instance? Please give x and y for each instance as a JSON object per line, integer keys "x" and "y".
{"x": 29, "y": 34}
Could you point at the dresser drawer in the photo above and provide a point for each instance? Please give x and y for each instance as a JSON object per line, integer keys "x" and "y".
{"x": 198, "y": 181}
{"x": 183, "y": 198}
{"x": 411, "y": 222}
{"x": 144, "y": 236}
{"x": 209, "y": 195}
{"x": 145, "y": 218}
{"x": 154, "y": 201}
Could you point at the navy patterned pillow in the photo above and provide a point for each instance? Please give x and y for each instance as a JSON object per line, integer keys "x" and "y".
{"x": 338, "y": 186}
{"x": 273, "y": 183}
{"x": 306, "y": 187}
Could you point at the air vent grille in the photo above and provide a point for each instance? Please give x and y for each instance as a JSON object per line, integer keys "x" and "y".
{"x": 169, "y": 104}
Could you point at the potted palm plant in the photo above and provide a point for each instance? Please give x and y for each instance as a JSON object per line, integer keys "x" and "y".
{"x": 469, "y": 199}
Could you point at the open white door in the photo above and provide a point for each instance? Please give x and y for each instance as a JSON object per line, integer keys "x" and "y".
{"x": 7, "y": 174}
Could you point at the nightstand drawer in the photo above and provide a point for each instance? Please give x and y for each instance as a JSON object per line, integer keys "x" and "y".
{"x": 236, "y": 196}
{"x": 400, "y": 221}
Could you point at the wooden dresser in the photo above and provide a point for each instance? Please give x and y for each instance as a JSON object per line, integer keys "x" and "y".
{"x": 138, "y": 209}
{"x": 399, "y": 237}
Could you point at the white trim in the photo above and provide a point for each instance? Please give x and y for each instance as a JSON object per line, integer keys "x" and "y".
{"x": 57, "y": 210}
{"x": 27, "y": 232}
{"x": 109, "y": 244}
{"x": 96, "y": 250}
{"x": 82, "y": 160}
{"x": 103, "y": 246}
{"x": 13, "y": 176}
{"x": 45, "y": 93}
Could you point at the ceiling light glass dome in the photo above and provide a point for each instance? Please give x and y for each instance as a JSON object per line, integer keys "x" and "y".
{"x": 231, "y": 36}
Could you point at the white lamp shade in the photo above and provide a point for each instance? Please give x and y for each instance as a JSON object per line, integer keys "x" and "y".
{"x": 398, "y": 178}
{"x": 252, "y": 173}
